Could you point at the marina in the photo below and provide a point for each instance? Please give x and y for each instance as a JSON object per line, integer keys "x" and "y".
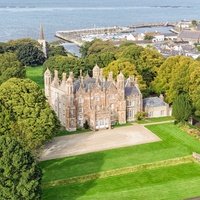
{"x": 117, "y": 32}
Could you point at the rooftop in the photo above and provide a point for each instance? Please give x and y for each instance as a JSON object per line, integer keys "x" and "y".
{"x": 153, "y": 102}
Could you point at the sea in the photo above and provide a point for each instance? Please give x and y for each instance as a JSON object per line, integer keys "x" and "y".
{"x": 22, "y": 18}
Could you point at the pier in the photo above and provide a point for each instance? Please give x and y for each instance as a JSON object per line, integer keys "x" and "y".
{"x": 75, "y": 36}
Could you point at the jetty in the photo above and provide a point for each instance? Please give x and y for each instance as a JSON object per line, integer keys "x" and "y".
{"x": 75, "y": 36}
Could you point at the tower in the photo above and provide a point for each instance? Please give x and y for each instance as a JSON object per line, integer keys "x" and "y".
{"x": 42, "y": 41}
{"x": 71, "y": 109}
{"x": 121, "y": 99}
{"x": 47, "y": 83}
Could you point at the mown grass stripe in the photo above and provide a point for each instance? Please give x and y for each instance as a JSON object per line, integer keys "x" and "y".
{"x": 120, "y": 171}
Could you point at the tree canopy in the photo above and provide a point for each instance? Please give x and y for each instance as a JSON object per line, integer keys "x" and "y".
{"x": 25, "y": 113}
{"x": 20, "y": 174}
{"x": 96, "y": 46}
{"x": 173, "y": 77}
{"x": 127, "y": 68}
{"x": 10, "y": 67}
{"x": 30, "y": 55}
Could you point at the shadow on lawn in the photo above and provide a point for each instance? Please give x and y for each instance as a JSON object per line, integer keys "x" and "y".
{"x": 72, "y": 167}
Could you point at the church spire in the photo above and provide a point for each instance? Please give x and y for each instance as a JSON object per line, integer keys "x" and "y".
{"x": 42, "y": 41}
{"x": 41, "y": 35}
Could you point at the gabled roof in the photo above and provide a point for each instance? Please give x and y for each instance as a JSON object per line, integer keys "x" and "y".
{"x": 131, "y": 90}
{"x": 153, "y": 102}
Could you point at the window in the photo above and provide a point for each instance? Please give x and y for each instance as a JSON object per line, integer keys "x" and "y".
{"x": 80, "y": 109}
{"x": 130, "y": 113}
{"x": 162, "y": 112}
{"x": 112, "y": 106}
{"x": 150, "y": 114}
{"x": 97, "y": 98}
{"x": 80, "y": 100}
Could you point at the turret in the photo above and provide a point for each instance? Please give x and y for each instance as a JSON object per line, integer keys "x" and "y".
{"x": 64, "y": 78}
{"x": 110, "y": 77}
{"x": 121, "y": 98}
{"x": 70, "y": 84}
{"x": 96, "y": 71}
{"x": 81, "y": 78}
{"x": 47, "y": 82}
{"x": 101, "y": 74}
{"x": 56, "y": 80}
{"x": 120, "y": 81}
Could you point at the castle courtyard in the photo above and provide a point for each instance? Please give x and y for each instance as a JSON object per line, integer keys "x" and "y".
{"x": 78, "y": 144}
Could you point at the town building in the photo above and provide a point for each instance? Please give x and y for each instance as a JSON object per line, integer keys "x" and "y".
{"x": 97, "y": 101}
{"x": 189, "y": 36}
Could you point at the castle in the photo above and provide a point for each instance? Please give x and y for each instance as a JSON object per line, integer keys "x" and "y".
{"x": 95, "y": 100}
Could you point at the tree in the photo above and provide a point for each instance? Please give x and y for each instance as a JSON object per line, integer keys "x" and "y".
{"x": 30, "y": 55}
{"x": 63, "y": 64}
{"x": 20, "y": 174}
{"x": 25, "y": 113}
{"x": 130, "y": 52}
{"x": 173, "y": 77}
{"x": 194, "y": 86}
{"x": 194, "y": 23}
{"x": 54, "y": 50}
{"x": 148, "y": 37}
{"x": 182, "y": 108}
{"x": 127, "y": 68}
{"x": 10, "y": 67}
{"x": 148, "y": 64}
{"x": 96, "y": 46}
{"x": 14, "y": 45}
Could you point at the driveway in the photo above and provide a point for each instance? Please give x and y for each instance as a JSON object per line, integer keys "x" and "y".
{"x": 97, "y": 141}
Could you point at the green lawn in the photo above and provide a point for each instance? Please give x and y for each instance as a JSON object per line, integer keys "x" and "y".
{"x": 177, "y": 182}
{"x": 169, "y": 182}
{"x": 175, "y": 143}
{"x": 153, "y": 120}
{"x": 35, "y": 74}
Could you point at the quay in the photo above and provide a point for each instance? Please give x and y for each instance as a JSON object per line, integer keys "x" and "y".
{"x": 75, "y": 36}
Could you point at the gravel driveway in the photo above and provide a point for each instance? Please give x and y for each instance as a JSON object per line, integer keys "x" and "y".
{"x": 97, "y": 141}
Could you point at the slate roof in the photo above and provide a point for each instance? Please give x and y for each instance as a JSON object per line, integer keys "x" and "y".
{"x": 90, "y": 82}
{"x": 187, "y": 34}
{"x": 153, "y": 102}
{"x": 132, "y": 90}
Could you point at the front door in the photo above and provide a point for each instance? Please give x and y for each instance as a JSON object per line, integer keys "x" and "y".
{"x": 102, "y": 123}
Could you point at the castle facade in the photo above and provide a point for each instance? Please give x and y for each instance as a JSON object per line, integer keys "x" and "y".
{"x": 94, "y": 100}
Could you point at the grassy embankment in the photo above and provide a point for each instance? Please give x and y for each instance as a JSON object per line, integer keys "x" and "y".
{"x": 177, "y": 181}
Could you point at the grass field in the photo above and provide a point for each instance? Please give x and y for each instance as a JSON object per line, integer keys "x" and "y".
{"x": 172, "y": 182}
{"x": 177, "y": 182}
{"x": 35, "y": 74}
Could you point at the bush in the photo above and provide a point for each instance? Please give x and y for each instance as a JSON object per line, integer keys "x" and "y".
{"x": 141, "y": 115}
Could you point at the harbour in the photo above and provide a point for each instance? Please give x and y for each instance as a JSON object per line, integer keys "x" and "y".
{"x": 78, "y": 36}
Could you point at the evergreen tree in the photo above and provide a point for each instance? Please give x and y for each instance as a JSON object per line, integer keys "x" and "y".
{"x": 182, "y": 108}
{"x": 20, "y": 176}
{"x": 30, "y": 55}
